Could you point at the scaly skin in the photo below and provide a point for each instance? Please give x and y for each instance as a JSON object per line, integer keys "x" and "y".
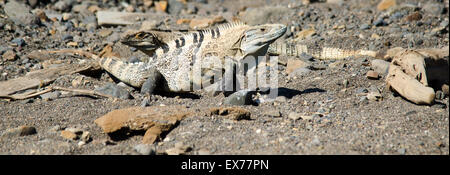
{"x": 174, "y": 60}
{"x": 144, "y": 41}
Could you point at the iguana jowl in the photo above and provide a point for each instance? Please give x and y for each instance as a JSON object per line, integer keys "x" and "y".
{"x": 173, "y": 61}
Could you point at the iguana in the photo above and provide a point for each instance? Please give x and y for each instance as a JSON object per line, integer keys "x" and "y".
{"x": 172, "y": 61}
{"x": 148, "y": 41}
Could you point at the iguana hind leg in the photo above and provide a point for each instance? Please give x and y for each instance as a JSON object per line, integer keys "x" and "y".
{"x": 138, "y": 74}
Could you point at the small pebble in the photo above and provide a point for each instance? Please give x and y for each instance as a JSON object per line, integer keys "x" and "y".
{"x": 18, "y": 42}
{"x": 364, "y": 27}
{"x": 145, "y": 149}
{"x": 67, "y": 37}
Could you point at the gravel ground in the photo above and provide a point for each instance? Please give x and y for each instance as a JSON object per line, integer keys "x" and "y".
{"x": 342, "y": 121}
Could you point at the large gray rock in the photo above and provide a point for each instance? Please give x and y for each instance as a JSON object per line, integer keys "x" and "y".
{"x": 242, "y": 97}
{"x": 380, "y": 66}
{"x": 114, "y": 90}
{"x": 20, "y": 14}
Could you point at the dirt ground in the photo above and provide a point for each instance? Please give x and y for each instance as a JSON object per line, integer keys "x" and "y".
{"x": 347, "y": 124}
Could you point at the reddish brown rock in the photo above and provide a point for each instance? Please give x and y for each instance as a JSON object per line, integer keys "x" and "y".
{"x": 154, "y": 120}
{"x": 372, "y": 75}
{"x": 200, "y": 23}
{"x": 69, "y": 135}
{"x": 385, "y": 4}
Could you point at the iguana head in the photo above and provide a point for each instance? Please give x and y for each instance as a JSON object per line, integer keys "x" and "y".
{"x": 255, "y": 38}
{"x": 142, "y": 40}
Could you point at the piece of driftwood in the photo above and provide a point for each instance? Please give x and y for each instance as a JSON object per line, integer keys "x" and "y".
{"x": 413, "y": 64}
{"x": 35, "y": 93}
{"x": 409, "y": 87}
{"x": 413, "y": 73}
{"x": 39, "y": 78}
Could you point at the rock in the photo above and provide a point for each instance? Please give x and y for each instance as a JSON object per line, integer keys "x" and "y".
{"x": 372, "y": 75}
{"x": 154, "y": 120}
{"x": 67, "y": 37}
{"x": 361, "y": 91}
{"x": 26, "y": 101}
{"x": 81, "y": 143}
{"x": 203, "y": 151}
{"x": 69, "y": 135}
{"x": 294, "y": 116}
{"x": 397, "y": 15}
{"x": 175, "y": 7}
{"x": 179, "y": 148}
{"x": 86, "y": 136}
{"x": 9, "y": 55}
{"x": 50, "y": 95}
{"x": 20, "y": 131}
{"x": 78, "y": 81}
{"x": 374, "y": 96}
{"x": 443, "y": 24}
{"x": 402, "y": 151}
{"x": 242, "y": 97}
{"x": 305, "y": 34}
{"x": 114, "y": 90}
{"x": 67, "y": 16}
{"x": 130, "y": 8}
{"x": 233, "y": 113}
{"x": 63, "y": 5}
{"x": 201, "y": 23}
{"x": 191, "y": 9}
{"x": 414, "y": 17}
{"x": 80, "y": 8}
{"x": 183, "y": 21}
{"x": 145, "y": 149}
{"x": 20, "y": 14}
{"x": 33, "y": 3}
{"x": 94, "y": 8}
{"x": 364, "y": 27}
{"x": 55, "y": 128}
{"x": 379, "y": 22}
{"x": 161, "y": 6}
{"x": 293, "y": 64}
{"x": 380, "y": 66}
{"x": 273, "y": 113}
{"x": 307, "y": 117}
{"x": 385, "y": 4}
{"x": 434, "y": 8}
{"x": 261, "y": 15}
{"x": 148, "y": 3}
{"x": 18, "y": 42}
{"x": 105, "y": 32}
